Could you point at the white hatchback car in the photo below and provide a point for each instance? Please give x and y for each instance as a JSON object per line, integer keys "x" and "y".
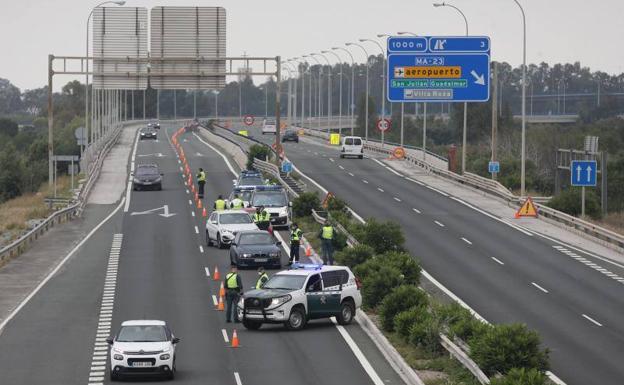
{"x": 302, "y": 293}
{"x": 269, "y": 127}
{"x": 222, "y": 226}
{"x": 352, "y": 146}
{"x": 143, "y": 347}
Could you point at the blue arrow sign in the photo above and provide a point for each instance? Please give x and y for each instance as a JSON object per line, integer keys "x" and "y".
{"x": 583, "y": 173}
{"x": 438, "y": 69}
{"x": 494, "y": 167}
{"x": 286, "y": 167}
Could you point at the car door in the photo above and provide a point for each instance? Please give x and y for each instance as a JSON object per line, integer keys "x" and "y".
{"x": 314, "y": 296}
{"x": 332, "y": 288}
{"x": 211, "y": 226}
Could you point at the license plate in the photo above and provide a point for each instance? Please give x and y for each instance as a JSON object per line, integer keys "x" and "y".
{"x": 141, "y": 364}
{"x": 261, "y": 260}
{"x": 146, "y": 183}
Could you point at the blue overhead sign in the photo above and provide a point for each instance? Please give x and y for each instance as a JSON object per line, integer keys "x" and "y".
{"x": 583, "y": 172}
{"x": 439, "y": 69}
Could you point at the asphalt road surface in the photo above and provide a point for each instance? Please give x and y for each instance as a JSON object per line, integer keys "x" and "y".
{"x": 574, "y": 300}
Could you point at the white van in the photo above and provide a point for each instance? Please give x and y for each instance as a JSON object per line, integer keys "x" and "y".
{"x": 352, "y": 146}
{"x": 269, "y": 126}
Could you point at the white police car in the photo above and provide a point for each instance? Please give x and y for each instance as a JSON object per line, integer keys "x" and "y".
{"x": 304, "y": 292}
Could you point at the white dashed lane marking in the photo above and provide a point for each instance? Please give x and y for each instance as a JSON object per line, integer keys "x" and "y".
{"x": 380, "y": 189}
{"x": 364, "y": 181}
{"x": 397, "y": 199}
{"x": 439, "y": 223}
{"x": 351, "y": 174}
{"x": 225, "y": 336}
{"x": 340, "y": 167}
{"x": 467, "y": 241}
{"x": 100, "y": 347}
{"x": 590, "y": 264}
{"x": 497, "y": 261}
{"x": 591, "y": 320}
{"x": 539, "y": 287}
{"x": 416, "y": 210}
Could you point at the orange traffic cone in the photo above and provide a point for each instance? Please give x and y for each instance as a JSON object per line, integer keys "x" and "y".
{"x": 193, "y": 188}
{"x": 204, "y": 213}
{"x": 308, "y": 251}
{"x": 221, "y": 290}
{"x": 199, "y": 204}
{"x": 220, "y": 306}
{"x": 235, "y": 339}
{"x": 216, "y": 276}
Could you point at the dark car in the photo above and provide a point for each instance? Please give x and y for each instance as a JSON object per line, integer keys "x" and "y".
{"x": 148, "y": 133}
{"x": 290, "y": 135}
{"x": 255, "y": 248}
{"x": 154, "y": 124}
{"x": 248, "y": 178}
{"x": 147, "y": 176}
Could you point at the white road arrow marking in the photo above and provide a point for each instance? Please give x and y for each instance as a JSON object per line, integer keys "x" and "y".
{"x": 589, "y": 172}
{"x": 165, "y": 214}
{"x": 479, "y": 79}
{"x": 578, "y": 173}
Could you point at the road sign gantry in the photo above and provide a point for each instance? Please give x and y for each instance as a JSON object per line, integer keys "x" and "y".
{"x": 439, "y": 69}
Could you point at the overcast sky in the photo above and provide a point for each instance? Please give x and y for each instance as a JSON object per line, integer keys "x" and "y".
{"x": 591, "y": 32}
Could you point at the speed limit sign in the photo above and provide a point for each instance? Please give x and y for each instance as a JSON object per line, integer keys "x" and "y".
{"x": 248, "y": 120}
{"x": 383, "y": 125}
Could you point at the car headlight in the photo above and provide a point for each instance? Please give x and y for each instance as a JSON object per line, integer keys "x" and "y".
{"x": 164, "y": 357}
{"x": 241, "y": 302}
{"x": 136, "y": 180}
{"x": 228, "y": 234}
{"x": 142, "y": 134}
{"x": 278, "y": 301}
{"x": 118, "y": 357}
{"x": 283, "y": 213}
{"x": 246, "y": 255}
{"x": 274, "y": 255}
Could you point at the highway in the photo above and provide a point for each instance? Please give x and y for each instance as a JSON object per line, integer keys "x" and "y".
{"x": 162, "y": 273}
{"x": 503, "y": 272}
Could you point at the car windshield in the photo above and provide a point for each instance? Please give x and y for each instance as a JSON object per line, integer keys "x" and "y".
{"x": 142, "y": 333}
{"x": 256, "y": 239}
{"x": 270, "y": 123}
{"x": 269, "y": 199}
{"x": 244, "y": 195}
{"x": 147, "y": 171}
{"x": 234, "y": 219}
{"x": 251, "y": 181}
{"x": 285, "y": 281}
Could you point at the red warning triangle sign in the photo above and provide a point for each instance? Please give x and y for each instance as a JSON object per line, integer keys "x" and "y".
{"x": 527, "y": 209}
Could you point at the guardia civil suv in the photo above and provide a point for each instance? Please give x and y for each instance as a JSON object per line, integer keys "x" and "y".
{"x": 304, "y": 292}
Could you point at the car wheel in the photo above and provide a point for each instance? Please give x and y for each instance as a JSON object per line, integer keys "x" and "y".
{"x": 341, "y": 156}
{"x": 347, "y": 312}
{"x": 113, "y": 376}
{"x": 297, "y": 319}
{"x": 219, "y": 243}
{"x": 251, "y": 325}
{"x": 159, "y": 187}
{"x": 208, "y": 240}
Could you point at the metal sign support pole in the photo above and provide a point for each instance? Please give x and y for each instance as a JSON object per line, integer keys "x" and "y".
{"x": 583, "y": 202}
{"x": 278, "y": 91}
{"x": 50, "y": 123}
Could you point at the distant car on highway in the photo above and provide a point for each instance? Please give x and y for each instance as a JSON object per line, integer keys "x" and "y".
{"x": 275, "y": 200}
{"x": 143, "y": 347}
{"x": 222, "y": 226}
{"x": 147, "y": 176}
{"x": 290, "y": 135}
{"x": 191, "y": 126}
{"x": 269, "y": 126}
{"x": 256, "y": 248}
{"x": 248, "y": 179}
{"x": 155, "y": 124}
{"x": 148, "y": 133}
{"x": 352, "y": 146}
{"x": 304, "y": 292}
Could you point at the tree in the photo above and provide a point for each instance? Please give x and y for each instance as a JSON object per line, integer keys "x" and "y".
{"x": 10, "y": 98}
{"x": 8, "y": 127}
{"x": 10, "y": 173}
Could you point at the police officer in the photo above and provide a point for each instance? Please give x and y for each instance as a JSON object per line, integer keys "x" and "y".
{"x": 295, "y": 242}
{"x": 201, "y": 182}
{"x": 262, "y": 278}
{"x": 327, "y": 237}
{"x": 233, "y": 287}
{"x": 262, "y": 218}
{"x": 219, "y": 204}
{"x": 237, "y": 203}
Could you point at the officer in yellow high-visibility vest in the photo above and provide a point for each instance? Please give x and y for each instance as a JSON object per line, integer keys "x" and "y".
{"x": 201, "y": 182}
{"x": 262, "y": 218}
{"x": 295, "y": 243}
{"x": 219, "y": 204}
{"x": 262, "y": 278}
{"x": 233, "y": 287}
{"x": 327, "y": 238}
{"x": 237, "y": 203}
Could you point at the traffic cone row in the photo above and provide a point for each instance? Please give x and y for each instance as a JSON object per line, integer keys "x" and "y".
{"x": 220, "y": 305}
{"x": 204, "y": 213}
{"x": 222, "y": 290}
{"x": 216, "y": 276}
{"x": 235, "y": 342}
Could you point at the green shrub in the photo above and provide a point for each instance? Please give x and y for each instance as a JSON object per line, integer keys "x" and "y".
{"x": 381, "y": 236}
{"x": 521, "y": 377}
{"x": 376, "y": 286}
{"x": 305, "y": 203}
{"x": 503, "y": 347}
{"x": 461, "y": 323}
{"x": 353, "y": 256}
{"x": 257, "y": 151}
{"x": 404, "y": 320}
{"x": 569, "y": 201}
{"x": 401, "y": 298}
{"x": 336, "y": 205}
{"x": 405, "y": 264}
{"x": 425, "y": 333}
{"x": 339, "y": 242}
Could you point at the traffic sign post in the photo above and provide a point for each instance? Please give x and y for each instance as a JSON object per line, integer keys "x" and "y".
{"x": 439, "y": 69}
{"x": 583, "y": 173}
{"x": 494, "y": 167}
{"x": 384, "y": 125}
{"x": 248, "y": 120}
{"x": 286, "y": 167}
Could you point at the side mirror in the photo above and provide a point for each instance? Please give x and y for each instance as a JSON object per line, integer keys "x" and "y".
{"x": 131, "y": 174}
{"x": 161, "y": 174}
{"x": 289, "y": 204}
{"x": 278, "y": 243}
{"x": 234, "y": 181}
{"x": 232, "y": 243}
{"x": 109, "y": 340}
{"x": 213, "y": 222}
{"x": 175, "y": 340}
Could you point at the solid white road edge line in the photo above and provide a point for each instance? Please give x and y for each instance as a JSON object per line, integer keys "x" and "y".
{"x": 345, "y": 335}
{"x": 129, "y": 188}
{"x": 237, "y": 379}
{"x": 428, "y": 276}
{"x": 58, "y": 267}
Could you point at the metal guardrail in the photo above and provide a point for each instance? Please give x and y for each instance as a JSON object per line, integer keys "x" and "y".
{"x": 464, "y": 359}
{"x": 21, "y": 244}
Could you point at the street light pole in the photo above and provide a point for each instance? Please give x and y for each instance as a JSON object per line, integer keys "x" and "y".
{"x": 366, "y": 102}
{"x": 339, "y": 91}
{"x": 465, "y": 128}
{"x": 329, "y": 88}
{"x": 523, "y": 159}
{"x": 320, "y": 87}
{"x": 352, "y": 83}
{"x": 383, "y": 82}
